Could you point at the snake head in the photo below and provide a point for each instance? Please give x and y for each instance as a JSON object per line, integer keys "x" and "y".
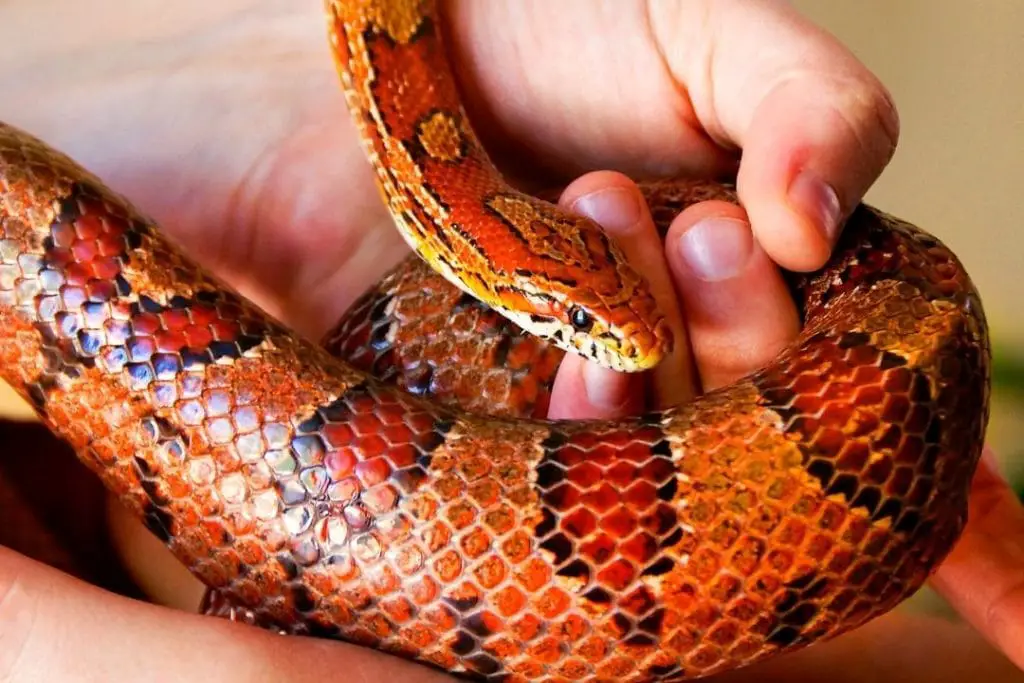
{"x": 560, "y": 277}
{"x": 615, "y": 337}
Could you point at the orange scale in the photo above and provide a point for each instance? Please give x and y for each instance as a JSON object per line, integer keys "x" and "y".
{"x": 602, "y": 499}
{"x": 403, "y": 455}
{"x": 371, "y": 447}
{"x": 475, "y": 543}
{"x": 855, "y": 455}
{"x": 395, "y": 433}
{"x": 641, "y": 548}
{"x": 585, "y": 475}
{"x": 900, "y": 482}
{"x": 910, "y": 451}
{"x": 392, "y": 414}
{"x": 502, "y": 648}
{"x": 418, "y": 635}
{"x": 337, "y": 434}
{"x": 197, "y": 338}
{"x": 658, "y": 470}
{"x": 636, "y": 452}
{"x": 552, "y": 602}
{"x": 76, "y": 274}
{"x": 174, "y": 320}
{"x": 534, "y": 574}
{"x": 618, "y": 440}
{"x": 106, "y": 268}
{"x": 111, "y": 244}
{"x": 509, "y": 600}
{"x": 224, "y": 330}
{"x": 617, "y": 575}
{"x": 373, "y": 471}
{"x": 580, "y": 523}
{"x": 448, "y": 566}
{"x": 829, "y": 441}
{"x": 747, "y": 556}
{"x": 527, "y": 670}
{"x": 420, "y": 422}
{"x": 365, "y": 424}
{"x": 863, "y": 355}
{"x": 203, "y": 315}
{"x": 837, "y": 414}
{"x": 517, "y": 547}
{"x": 547, "y": 650}
{"x": 641, "y": 495}
{"x": 602, "y": 455}
{"x": 807, "y": 404}
{"x": 63, "y": 236}
{"x": 866, "y": 422}
{"x": 423, "y": 590}
{"x": 807, "y": 383}
{"x": 170, "y": 342}
{"x": 621, "y": 522}
{"x": 145, "y": 324}
{"x": 571, "y": 456}
{"x": 563, "y": 497}
{"x": 897, "y": 380}
{"x": 88, "y": 227}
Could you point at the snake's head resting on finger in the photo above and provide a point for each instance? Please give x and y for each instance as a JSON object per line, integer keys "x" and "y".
{"x": 560, "y": 277}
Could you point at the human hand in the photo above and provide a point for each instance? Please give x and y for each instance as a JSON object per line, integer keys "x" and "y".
{"x": 269, "y": 187}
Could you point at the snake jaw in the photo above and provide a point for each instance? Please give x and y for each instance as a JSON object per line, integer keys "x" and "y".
{"x": 630, "y": 347}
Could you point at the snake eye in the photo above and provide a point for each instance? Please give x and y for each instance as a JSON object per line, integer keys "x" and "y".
{"x": 580, "y": 319}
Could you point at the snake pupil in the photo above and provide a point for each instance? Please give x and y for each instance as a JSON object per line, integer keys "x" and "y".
{"x": 580, "y": 319}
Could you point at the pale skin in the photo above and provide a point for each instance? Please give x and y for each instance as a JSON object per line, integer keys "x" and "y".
{"x": 225, "y": 122}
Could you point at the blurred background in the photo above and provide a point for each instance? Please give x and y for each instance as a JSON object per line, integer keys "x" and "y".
{"x": 956, "y": 71}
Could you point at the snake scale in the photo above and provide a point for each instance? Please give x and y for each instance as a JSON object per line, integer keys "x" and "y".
{"x": 396, "y": 486}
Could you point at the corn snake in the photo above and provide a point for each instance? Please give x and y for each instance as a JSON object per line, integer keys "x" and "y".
{"x": 792, "y": 506}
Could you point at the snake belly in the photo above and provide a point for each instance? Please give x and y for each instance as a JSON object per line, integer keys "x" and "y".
{"x": 359, "y": 499}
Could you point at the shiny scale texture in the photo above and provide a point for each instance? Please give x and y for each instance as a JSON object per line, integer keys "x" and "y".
{"x": 368, "y": 497}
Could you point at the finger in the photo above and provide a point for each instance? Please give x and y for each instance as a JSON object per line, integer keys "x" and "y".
{"x": 739, "y": 312}
{"x": 932, "y": 649}
{"x": 815, "y": 126}
{"x": 109, "y": 637}
{"x": 582, "y": 389}
{"x": 983, "y": 578}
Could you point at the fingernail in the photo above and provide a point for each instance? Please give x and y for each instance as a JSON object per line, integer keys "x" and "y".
{"x": 606, "y": 389}
{"x": 717, "y": 248}
{"x": 819, "y": 201}
{"x": 615, "y": 208}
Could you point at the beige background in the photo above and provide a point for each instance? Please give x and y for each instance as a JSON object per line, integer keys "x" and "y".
{"x": 956, "y": 70}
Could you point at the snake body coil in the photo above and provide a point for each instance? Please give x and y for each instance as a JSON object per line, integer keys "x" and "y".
{"x": 358, "y": 498}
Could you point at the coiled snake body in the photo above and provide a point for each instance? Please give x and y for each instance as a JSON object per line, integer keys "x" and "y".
{"x": 369, "y": 498}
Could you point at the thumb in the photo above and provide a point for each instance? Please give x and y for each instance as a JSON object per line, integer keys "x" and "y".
{"x": 815, "y": 126}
